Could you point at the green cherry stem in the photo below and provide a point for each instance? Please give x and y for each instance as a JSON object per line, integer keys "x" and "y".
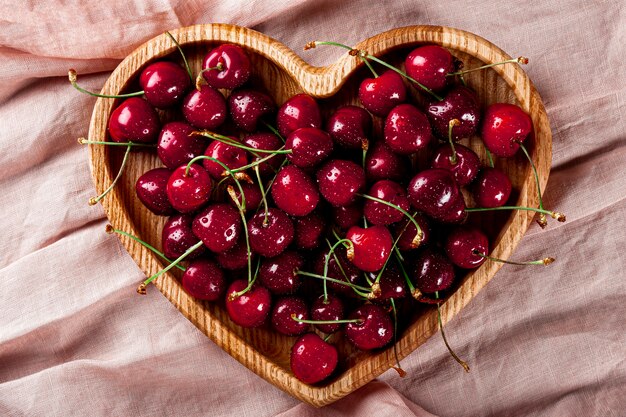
{"x": 456, "y": 358}
{"x": 200, "y": 79}
{"x": 344, "y": 321}
{"x": 263, "y": 194}
{"x": 489, "y": 157}
{"x": 453, "y": 122}
{"x": 181, "y": 54}
{"x": 142, "y": 287}
{"x": 361, "y": 56}
{"x": 229, "y": 141}
{"x": 110, "y": 229}
{"x": 555, "y": 215}
{"x": 94, "y": 200}
{"x": 238, "y": 294}
{"x": 336, "y": 281}
{"x": 544, "y": 261}
{"x": 398, "y": 368}
{"x": 273, "y": 130}
{"x": 519, "y": 60}
{"x": 327, "y": 260}
{"x": 73, "y": 76}
{"x": 542, "y": 218}
{"x": 84, "y": 141}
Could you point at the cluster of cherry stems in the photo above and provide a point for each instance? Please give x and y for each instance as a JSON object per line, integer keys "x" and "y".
{"x": 267, "y": 200}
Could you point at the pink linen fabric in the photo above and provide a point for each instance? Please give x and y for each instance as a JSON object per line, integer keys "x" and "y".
{"x": 76, "y": 340}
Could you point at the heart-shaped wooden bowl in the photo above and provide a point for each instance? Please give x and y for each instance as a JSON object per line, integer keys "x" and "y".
{"x": 283, "y": 73}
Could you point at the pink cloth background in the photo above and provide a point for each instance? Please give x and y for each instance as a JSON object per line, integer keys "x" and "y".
{"x": 76, "y": 340}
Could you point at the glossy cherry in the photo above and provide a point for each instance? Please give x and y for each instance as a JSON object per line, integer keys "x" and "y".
{"x": 339, "y": 268}
{"x": 347, "y": 216}
{"x": 231, "y": 156}
{"x": 492, "y": 188}
{"x": 434, "y": 191}
{"x": 218, "y": 226}
{"x": 248, "y": 107}
{"x": 375, "y": 329}
{"x": 466, "y": 166}
{"x": 299, "y": 111}
{"x": 309, "y": 146}
{"x": 455, "y": 214}
{"x": 151, "y": 191}
{"x": 350, "y": 126}
{"x": 204, "y": 280}
{"x": 381, "y": 163}
{"x": 250, "y": 309}
{"x": 392, "y": 284}
{"x": 460, "y": 103}
{"x": 329, "y": 309}
{"x": 252, "y": 194}
{"x": 432, "y": 271}
{"x": 269, "y": 142}
{"x": 230, "y": 67}
{"x": 312, "y": 359}
{"x": 270, "y": 236}
{"x": 380, "y": 214}
{"x": 188, "y": 191}
{"x": 429, "y": 65}
{"x": 279, "y": 274}
{"x": 308, "y": 231}
{"x": 463, "y": 244}
{"x": 282, "y": 312}
{"x": 372, "y": 247}
{"x": 381, "y": 94}
{"x": 407, "y": 129}
{"x": 294, "y": 192}
{"x": 177, "y": 146}
{"x": 134, "y": 120}
{"x": 339, "y": 181}
{"x": 164, "y": 83}
{"x": 407, "y": 232}
{"x": 236, "y": 257}
{"x": 205, "y": 108}
{"x": 505, "y": 125}
{"x": 177, "y": 237}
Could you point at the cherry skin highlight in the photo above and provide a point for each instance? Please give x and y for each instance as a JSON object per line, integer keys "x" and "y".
{"x": 381, "y": 94}
{"x": 464, "y": 169}
{"x": 463, "y": 244}
{"x": 204, "y": 280}
{"x": 433, "y": 271}
{"x": 177, "y": 146}
{"x": 279, "y": 274}
{"x": 380, "y": 214}
{"x": 248, "y": 107}
{"x": 268, "y": 142}
{"x": 188, "y": 192}
{"x": 134, "y": 121}
{"x": 294, "y": 192}
{"x": 282, "y": 312}
{"x": 504, "y": 126}
{"x": 381, "y": 163}
{"x": 235, "y": 67}
{"x": 164, "y": 83}
{"x": 231, "y": 156}
{"x": 372, "y": 247}
{"x": 407, "y": 130}
{"x": 250, "y": 309}
{"x": 330, "y": 310}
{"x": 461, "y": 104}
{"x": 299, "y": 111}
{"x": 375, "y": 330}
{"x": 177, "y": 237}
{"x": 339, "y": 181}
{"x": 312, "y": 359}
{"x": 434, "y": 191}
{"x": 151, "y": 191}
{"x": 309, "y": 146}
{"x": 350, "y": 126}
{"x": 270, "y": 236}
{"x": 429, "y": 65}
{"x": 218, "y": 226}
{"x": 236, "y": 257}
{"x": 205, "y": 108}
{"x": 492, "y": 188}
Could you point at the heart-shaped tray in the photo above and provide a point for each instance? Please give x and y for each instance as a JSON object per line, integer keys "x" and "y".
{"x": 283, "y": 73}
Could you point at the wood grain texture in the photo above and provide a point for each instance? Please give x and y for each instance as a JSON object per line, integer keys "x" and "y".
{"x": 283, "y": 73}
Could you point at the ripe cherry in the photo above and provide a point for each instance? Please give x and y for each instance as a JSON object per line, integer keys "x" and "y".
{"x": 177, "y": 237}
{"x": 347, "y": 216}
{"x": 252, "y": 194}
{"x": 503, "y": 127}
{"x": 463, "y": 244}
{"x": 339, "y": 268}
{"x": 433, "y": 271}
{"x": 164, "y": 83}
{"x": 434, "y": 191}
{"x": 294, "y": 192}
{"x": 231, "y": 156}
{"x": 466, "y": 165}
{"x": 227, "y": 66}
{"x": 205, "y": 108}
{"x": 280, "y": 273}
{"x": 177, "y": 146}
{"x": 269, "y": 142}
{"x": 308, "y": 231}
{"x": 329, "y": 309}
{"x": 248, "y": 107}
{"x": 251, "y": 308}
{"x": 283, "y": 313}
{"x": 339, "y": 181}
{"x": 381, "y": 163}
{"x": 407, "y": 232}
{"x": 374, "y": 329}
{"x": 380, "y": 214}
{"x": 218, "y": 226}
{"x": 407, "y": 129}
{"x": 270, "y": 235}
{"x": 372, "y": 247}
{"x": 392, "y": 284}
{"x": 455, "y": 214}
{"x": 350, "y": 126}
{"x": 492, "y": 188}
{"x": 309, "y": 146}
{"x": 312, "y": 359}
{"x": 236, "y": 257}
{"x": 204, "y": 280}
{"x": 299, "y": 111}
{"x": 429, "y": 65}
{"x": 151, "y": 191}
{"x": 461, "y": 104}
{"x": 381, "y": 94}
{"x": 189, "y": 190}
{"x": 134, "y": 121}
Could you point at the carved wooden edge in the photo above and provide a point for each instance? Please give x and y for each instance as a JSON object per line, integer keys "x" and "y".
{"x": 323, "y": 82}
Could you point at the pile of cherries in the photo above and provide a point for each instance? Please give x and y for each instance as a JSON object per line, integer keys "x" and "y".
{"x": 293, "y": 221}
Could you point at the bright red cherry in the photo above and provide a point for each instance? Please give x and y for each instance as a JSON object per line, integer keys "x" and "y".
{"x": 164, "y": 83}
{"x": 381, "y": 214}
{"x": 464, "y": 168}
{"x": 492, "y": 188}
{"x": 205, "y": 108}
{"x": 339, "y": 181}
{"x": 309, "y": 146}
{"x": 381, "y": 94}
{"x": 151, "y": 191}
{"x": 134, "y": 121}
{"x": 279, "y": 274}
{"x": 248, "y": 107}
{"x": 299, "y": 111}
{"x": 294, "y": 192}
{"x": 350, "y": 126}
{"x": 434, "y": 191}
{"x": 433, "y": 271}
{"x": 284, "y": 309}
{"x": 230, "y": 67}
{"x": 270, "y": 235}
{"x": 177, "y": 237}
{"x": 250, "y": 309}
{"x": 252, "y": 194}
{"x": 381, "y": 163}
{"x": 463, "y": 244}
{"x": 188, "y": 192}
{"x": 374, "y": 330}
{"x": 231, "y": 156}
{"x": 177, "y": 146}
{"x": 330, "y": 309}
{"x": 407, "y": 129}
{"x": 218, "y": 226}
{"x": 429, "y": 65}
{"x": 461, "y": 104}
{"x": 312, "y": 359}
{"x": 372, "y": 247}
{"x": 455, "y": 214}
{"x": 204, "y": 280}
{"x": 504, "y": 126}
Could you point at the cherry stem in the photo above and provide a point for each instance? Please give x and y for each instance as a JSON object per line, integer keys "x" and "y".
{"x": 519, "y": 60}
{"x": 328, "y": 336}
{"x": 73, "y": 76}
{"x": 327, "y": 260}
{"x": 255, "y": 163}
{"x": 109, "y": 229}
{"x": 238, "y": 294}
{"x": 451, "y": 124}
{"x": 231, "y": 142}
{"x": 200, "y": 79}
{"x": 142, "y": 287}
{"x": 340, "y": 266}
{"x": 459, "y": 360}
{"x": 405, "y": 274}
{"x": 336, "y": 281}
{"x": 419, "y": 235}
{"x": 267, "y": 190}
{"x": 365, "y": 147}
{"x": 398, "y": 368}
{"x": 490, "y": 157}
{"x": 263, "y": 194}
{"x": 84, "y": 141}
{"x": 351, "y": 51}
{"x": 344, "y": 321}
{"x": 544, "y": 261}
{"x": 273, "y": 129}
{"x": 181, "y": 54}
{"x": 555, "y": 215}
{"x": 94, "y": 200}
{"x": 542, "y": 219}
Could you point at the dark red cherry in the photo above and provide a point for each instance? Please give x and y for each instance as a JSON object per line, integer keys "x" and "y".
{"x": 205, "y": 108}
{"x": 294, "y": 192}
{"x": 381, "y": 214}
{"x": 463, "y": 244}
{"x": 372, "y": 247}
{"x": 250, "y": 309}
{"x": 381, "y": 94}
{"x": 429, "y": 65}
{"x": 282, "y": 312}
{"x": 177, "y": 237}
{"x": 392, "y": 284}
{"x": 231, "y": 67}
{"x": 460, "y": 103}
{"x": 312, "y": 359}
{"x": 308, "y": 231}
{"x": 434, "y": 191}
{"x": 407, "y": 129}
{"x": 339, "y": 181}
{"x": 236, "y": 257}
{"x": 270, "y": 236}
{"x": 492, "y": 188}
{"x": 299, "y": 111}
{"x": 218, "y": 226}
{"x": 432, "y": 271}
{"x": 135, "y": 120}
{"x": 252, "y": 194}
{"x": 375, "y": 329}
{"x": 309, "y": 146}
{"x": 280, "y": 273}
{"x": 330, "y": 310}
{"x": 338, "y": 268}
{"x": 231, "y": 156}
{"x": 381, "y": 163}
{"x": 464, "y": 169}
{"x": 455, "y": 214}
{"x": 407, "y": 232}
{"x": 204, "y": 280}
{"x": 347, "y": 216}
{"x": 350, "y": 126}
{"x": 189, "y": 191}
{"x": 177, "y": 146}
{"x": 248, "y": 107}
{"x": 269, "y": 142}
{"x": 504, "y": 125}
{"x": 164, "y": 83}
{"x": 151, "y": 191}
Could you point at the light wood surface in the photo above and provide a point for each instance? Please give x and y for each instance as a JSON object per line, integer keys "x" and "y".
{"x": 283, "y": 73}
